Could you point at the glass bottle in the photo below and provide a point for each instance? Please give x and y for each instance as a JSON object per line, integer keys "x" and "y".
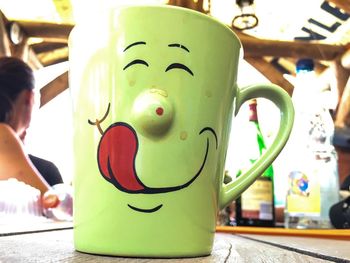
{"x": 255, "y": 207}
{"x": 313, "y": 182}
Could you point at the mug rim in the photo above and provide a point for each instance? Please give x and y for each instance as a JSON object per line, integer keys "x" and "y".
{"x": 214, "y": 20}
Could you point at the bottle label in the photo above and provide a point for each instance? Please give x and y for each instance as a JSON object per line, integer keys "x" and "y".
{"x": 304, "y": 197}
{"x": 257, "y": 201}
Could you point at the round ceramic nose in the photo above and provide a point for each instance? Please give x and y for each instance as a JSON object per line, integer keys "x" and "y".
{"x": 153, "y": 112}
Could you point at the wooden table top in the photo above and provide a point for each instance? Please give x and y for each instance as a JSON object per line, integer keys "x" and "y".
{"x": 53, "y": 242}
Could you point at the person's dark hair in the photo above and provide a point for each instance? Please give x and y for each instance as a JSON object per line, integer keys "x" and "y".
{"x": 15, "y": 76}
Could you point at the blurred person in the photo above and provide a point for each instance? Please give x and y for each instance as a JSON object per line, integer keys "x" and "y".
{"x": 16, "y": 104}
{"x": 47, "y": 169}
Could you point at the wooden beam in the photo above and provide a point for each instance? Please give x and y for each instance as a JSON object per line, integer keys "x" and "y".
{"x": 341, "y": 76}
{"x": 51, "y": 57}
{"x": 21, "y": 50}
{"x": 56, "y": 60}
{"x": 53, "y": 88}
{"x": 25, "y": 52}
{"x": 254, "y": 47}
{"x": 191, "y": 4}
{"x": 342, "y": 4}
{"x": 343, "y": 114}
{"x": 345, "y": 59}
{"x": 46, "y": 30}
{"x": 33, "y": 60}
{"x": 5, "y": 50}
{"x": 47, "y": 46}
{"x": 271, "y": 73}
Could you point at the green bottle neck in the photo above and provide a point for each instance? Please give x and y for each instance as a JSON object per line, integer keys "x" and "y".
{"x": 253, "y": 117}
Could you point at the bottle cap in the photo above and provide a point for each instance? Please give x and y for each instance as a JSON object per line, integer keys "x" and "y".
{"x": 253, "y": 115}
{"x": 305, "y": 64}
{"x": 252, "y": 102}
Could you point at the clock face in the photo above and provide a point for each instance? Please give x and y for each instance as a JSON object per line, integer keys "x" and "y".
{"x": 15, "y": 33}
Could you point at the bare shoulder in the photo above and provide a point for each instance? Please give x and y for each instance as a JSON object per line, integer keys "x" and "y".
{"x": 5, "y": 129}
{"x": 14, "y": 162}
{"x": 10, "y": 143}
{"x": 7, "y": 134}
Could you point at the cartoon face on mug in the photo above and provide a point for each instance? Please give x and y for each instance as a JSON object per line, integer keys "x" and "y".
{"x": 157, "y": 116}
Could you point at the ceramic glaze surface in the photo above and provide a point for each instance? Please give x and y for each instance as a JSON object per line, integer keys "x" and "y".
{"x": 153, "y": 97}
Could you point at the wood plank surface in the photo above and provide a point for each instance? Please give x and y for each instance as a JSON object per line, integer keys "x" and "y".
{"x": 40, "y": 224}
{"x": 332, "y": 250}
{"x": 58, "y": 246}
{"x": 343, "y": 234}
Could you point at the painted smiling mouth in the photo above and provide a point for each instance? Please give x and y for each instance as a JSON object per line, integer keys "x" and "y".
{"x": 117, "y": 152}
{"x": 151, "y": 210}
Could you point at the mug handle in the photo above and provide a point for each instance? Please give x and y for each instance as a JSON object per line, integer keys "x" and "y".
{"x": 230, "y": 191}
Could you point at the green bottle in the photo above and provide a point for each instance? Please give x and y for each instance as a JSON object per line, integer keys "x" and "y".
{"x": 255, "y": 207}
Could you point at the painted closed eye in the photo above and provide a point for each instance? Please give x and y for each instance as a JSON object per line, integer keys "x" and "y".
{"x": 136, "y": 61}
{"x": 179, "y": 66}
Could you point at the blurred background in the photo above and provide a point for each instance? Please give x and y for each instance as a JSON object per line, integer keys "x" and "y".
{"x": 274, "y": 34}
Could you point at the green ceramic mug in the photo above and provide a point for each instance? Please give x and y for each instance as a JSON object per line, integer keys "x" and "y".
{"x": 153, "y": 96}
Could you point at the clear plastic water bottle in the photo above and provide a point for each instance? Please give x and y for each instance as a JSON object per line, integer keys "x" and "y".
{"x": 313, "y": 170}
{"x": 58, "y": 203}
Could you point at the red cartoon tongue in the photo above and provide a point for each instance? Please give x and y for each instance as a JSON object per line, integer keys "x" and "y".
{"x": 116, "y": 157}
